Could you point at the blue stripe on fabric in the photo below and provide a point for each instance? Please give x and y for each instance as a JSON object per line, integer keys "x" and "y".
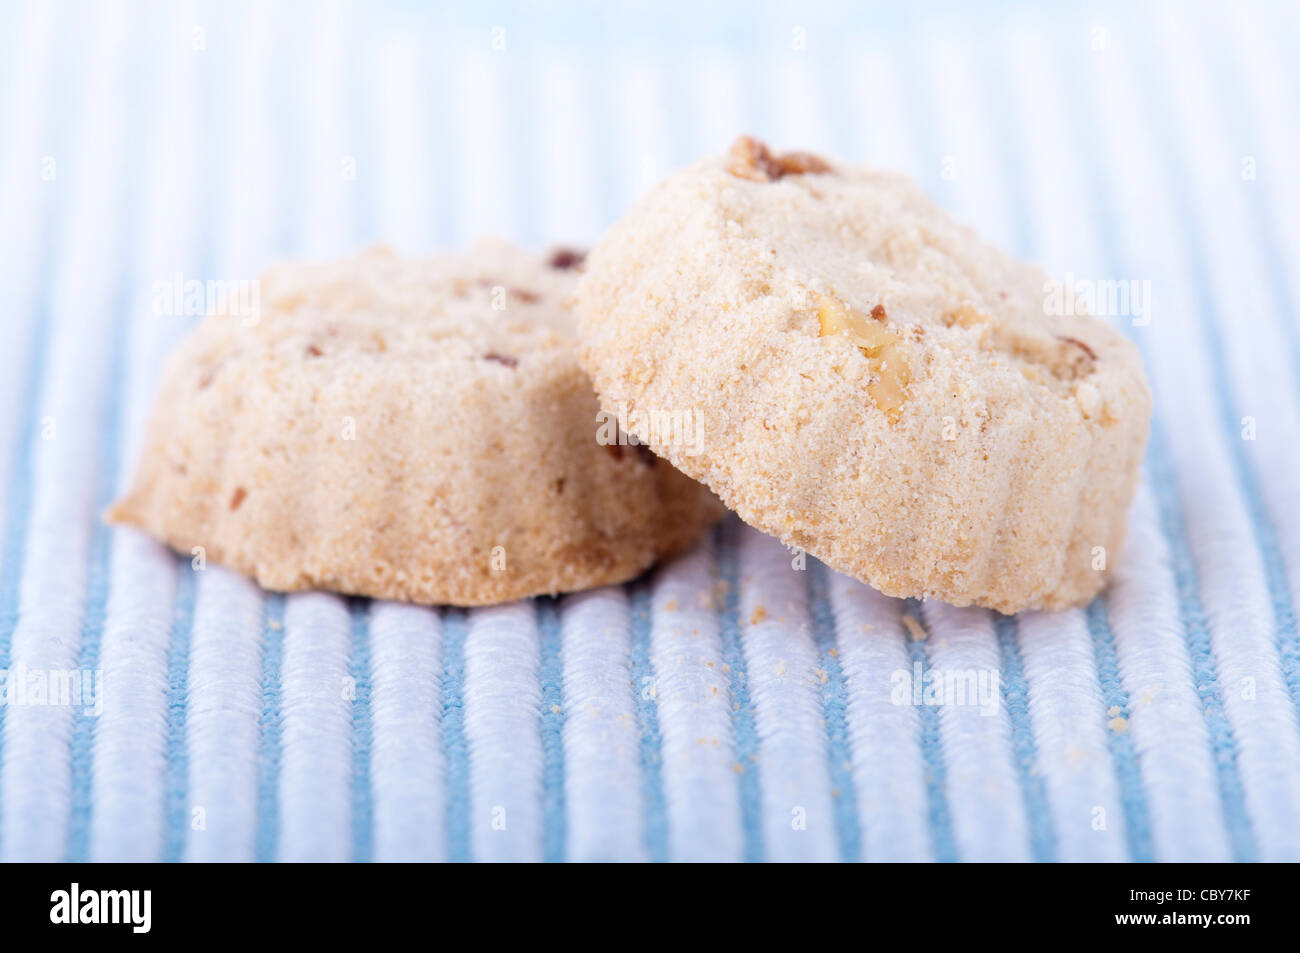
{"x": 550, "y": 673}
{"x": 936, "y": 774}
{"x": 1163, "y": 481}
{"x": 98, "y": 578}
{"x": 835, "y": 697}
{"x": 1015, "y": 695}
{"x": 1123, "y": 753}
{"x": 742, "y": 711}
{"x": 176, "y": 788}
{"x": 1286, "y": 635}
{"x": 647, "y": 717}
{"x": 270, "y": 730}
{"x": 363, "y": 811}
{"x": 455, "y": 629}
{"x": 1223, "y": 744}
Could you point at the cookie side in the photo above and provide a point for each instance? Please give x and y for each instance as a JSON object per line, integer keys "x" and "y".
{"x": 941, "y": 440}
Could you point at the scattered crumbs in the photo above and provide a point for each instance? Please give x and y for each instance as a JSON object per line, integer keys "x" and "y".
{"x": 1119, "y": 725}
{"x": 913, "y": 627}
{"x": 758, "y": 615}
{"x": 781, "y": 668}
{"x": 720, "y": 590}
{"x": 555, "y": 709}
{"x": 275, "y": 625}
{"x": 715, "y": 691}
{"x": 709, "y": 663}
{"x": 868, "y": 627}
{"x": 671, "y": 605}
{"x": 738, "y": 768}
{"x": 1112, "y": 711}
{"x": 735, "y": 706}
{"x": 834, "y": 652}
{"x": 835, "y": 792}
{"x": 726, "y": 668}
{"x": 821, "y": 675}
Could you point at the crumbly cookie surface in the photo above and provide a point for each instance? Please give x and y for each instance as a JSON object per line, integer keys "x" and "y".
{"x": 406, "y": 429}
{"x": 873, "y": 382}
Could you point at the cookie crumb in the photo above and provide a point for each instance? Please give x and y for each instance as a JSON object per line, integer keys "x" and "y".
{"x": 237, "y": 498}
{"x": 758, "y": 615}
{"x": 1118, "y": 725}
{"x": 913, "y": 627}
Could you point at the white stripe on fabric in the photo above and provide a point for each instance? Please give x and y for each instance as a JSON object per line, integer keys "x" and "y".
{"x": 567, "y": 157}
{"x": 130, "y": 745}
{"x": 407, "y": 769}
{"x": 224, "y": 696}
{"x": 502, "y": 728}
{"x": 67, "y": 458}
{"x": 223, "y": 703}
{"x": 1066, "y": 711}
{"x": 409, "y": 175}
{"x": 693, "y": 693}
{"x": 605, "y": 809}
{"x": 984, "y": 796}
{"x": 316, "y": 760}
{"x": 889, "y": 772}
{"x": 487, "y": 202}
{"x": 1258, "y": 70}
{"x": 784, "y": 683}
{"x": 1229, "y": 568}
{"x": 24, "y": 201}
{"x": 1165, "y": 718}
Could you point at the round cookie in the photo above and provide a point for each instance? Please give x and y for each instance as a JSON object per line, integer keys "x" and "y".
{"x": 414, "y": 430}
{"x": 870, "y": 380}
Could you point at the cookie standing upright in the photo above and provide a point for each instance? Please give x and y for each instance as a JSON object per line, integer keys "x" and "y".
{"x": 873, "y": 382}
{"x": 407, "y": 429}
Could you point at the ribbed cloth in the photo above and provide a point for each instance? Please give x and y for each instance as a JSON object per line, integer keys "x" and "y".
{"x": 729, "y": 705}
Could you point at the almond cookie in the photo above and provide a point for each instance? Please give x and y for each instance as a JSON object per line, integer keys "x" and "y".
{"x": 414, "y": 430}
{"x": 871, "y": 381}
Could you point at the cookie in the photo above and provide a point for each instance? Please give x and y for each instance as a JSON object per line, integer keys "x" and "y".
{"x": 870, "y": 381}
{"x": 412, "y": 430}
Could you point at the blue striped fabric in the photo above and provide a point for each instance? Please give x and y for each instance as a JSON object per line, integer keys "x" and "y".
{"x": 728, "y": 706}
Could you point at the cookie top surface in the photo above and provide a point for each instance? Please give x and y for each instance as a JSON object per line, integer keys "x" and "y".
{"x": 491, "y": 304}
{"x": 414, "y": 429}
{"x": 865, "y": 366}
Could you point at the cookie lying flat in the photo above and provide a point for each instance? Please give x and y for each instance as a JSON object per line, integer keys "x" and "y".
{"x": 872, "y": 382}
{"x": 415, "y": 430}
